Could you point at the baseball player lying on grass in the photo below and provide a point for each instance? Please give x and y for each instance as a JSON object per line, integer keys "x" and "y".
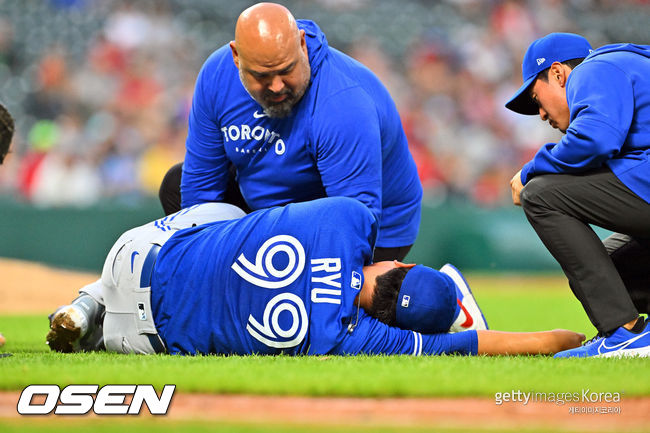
{"x": 296, "y": 280}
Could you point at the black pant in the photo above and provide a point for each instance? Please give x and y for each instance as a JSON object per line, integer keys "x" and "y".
{"x": 610, "y": 278}
{"x": 170, "y": 199}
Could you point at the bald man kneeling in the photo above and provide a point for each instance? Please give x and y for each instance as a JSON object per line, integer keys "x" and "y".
{"x": 278, "y": 116}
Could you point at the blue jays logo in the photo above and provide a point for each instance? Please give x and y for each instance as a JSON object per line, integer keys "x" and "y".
{"x": 263, "y": 272}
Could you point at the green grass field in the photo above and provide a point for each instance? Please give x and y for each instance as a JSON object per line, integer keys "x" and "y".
{"x": 164, "y": 426}
{"x": 509, "y": 304}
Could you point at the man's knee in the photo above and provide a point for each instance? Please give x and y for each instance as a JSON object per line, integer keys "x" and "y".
{"x": 532, "y": 194}
{"x": 547, "y": 191}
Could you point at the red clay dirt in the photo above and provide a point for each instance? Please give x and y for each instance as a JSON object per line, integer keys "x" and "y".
{"x": 403, "y": 412}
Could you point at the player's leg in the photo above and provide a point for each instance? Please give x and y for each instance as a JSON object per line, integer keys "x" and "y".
{"x": 126, "y": 278}
{"x": 560, "y": 209}
{"x": 109, "y": 305}
{"x": 197, "y": 215}
{"x": 78, "y": 325}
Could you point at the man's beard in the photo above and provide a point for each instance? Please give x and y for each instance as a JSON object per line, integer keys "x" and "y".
{"x": 279, "y": 110}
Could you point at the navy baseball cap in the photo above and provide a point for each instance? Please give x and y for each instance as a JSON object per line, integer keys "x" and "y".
{"x": 427, "y": 301}
{"x": 555, "y": 47}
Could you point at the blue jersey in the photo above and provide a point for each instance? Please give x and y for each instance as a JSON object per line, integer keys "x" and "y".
{"x": 609, "y": 102}
{"x": 343, "y": 138}
{"x": 280, "y": 280}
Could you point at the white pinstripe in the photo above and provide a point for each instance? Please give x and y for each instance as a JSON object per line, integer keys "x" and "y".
{"x": 417, "y": 343}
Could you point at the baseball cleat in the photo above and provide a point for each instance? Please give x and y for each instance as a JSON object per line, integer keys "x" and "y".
{"x": 68, "y": 325}
{"x": 78, "y": 326}
{"x": 470, "y": 317}
{"x": 621, "y": 343}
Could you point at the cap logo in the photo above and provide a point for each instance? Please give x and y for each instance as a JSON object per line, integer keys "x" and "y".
{"x": 540, "y": 61}
{"x": 405, "y": 301}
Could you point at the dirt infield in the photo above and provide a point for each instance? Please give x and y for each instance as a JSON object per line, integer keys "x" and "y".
{"x": 628, "y": 415}
{"x": 31, "y": 288}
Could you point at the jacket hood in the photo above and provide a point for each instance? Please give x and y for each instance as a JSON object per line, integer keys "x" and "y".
{"x": 316, "y": 44}
{"x": 643, "y": 50}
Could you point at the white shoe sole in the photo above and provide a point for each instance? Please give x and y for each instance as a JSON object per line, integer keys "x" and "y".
{"x": 640, "y": 352}
{"x": 468, "y": 301}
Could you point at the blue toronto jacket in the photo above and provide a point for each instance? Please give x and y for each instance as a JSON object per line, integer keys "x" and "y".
{"x": 343, "y": 138}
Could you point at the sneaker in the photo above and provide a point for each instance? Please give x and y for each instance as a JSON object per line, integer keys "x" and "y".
{"x": 621, "y": 343}
{"x": 470, "y": 316}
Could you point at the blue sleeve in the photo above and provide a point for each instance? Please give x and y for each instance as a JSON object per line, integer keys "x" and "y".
{"x": 373, "y": 337}
{"x": 347, "y": 141}
{"x": 601, "y": 101}
{"x": 205, "y": 169}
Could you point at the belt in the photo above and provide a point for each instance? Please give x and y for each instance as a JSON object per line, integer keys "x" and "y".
{"x": 147, "y": 266}
{"x": 155, "y": 340}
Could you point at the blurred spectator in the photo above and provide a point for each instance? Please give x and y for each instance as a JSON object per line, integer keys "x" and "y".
{"x": 101, "y": 89}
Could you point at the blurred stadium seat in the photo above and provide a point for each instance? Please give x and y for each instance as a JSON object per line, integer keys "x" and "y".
{"x": 115, "y": 78}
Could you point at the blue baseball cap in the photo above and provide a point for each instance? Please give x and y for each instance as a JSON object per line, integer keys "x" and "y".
{"x": 427, "y": 301}
{"x": 555, "y": 47}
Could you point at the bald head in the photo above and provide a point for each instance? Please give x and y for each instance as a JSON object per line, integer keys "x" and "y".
{"x": 266, "y": 32}
{"x": 270, "y": 52}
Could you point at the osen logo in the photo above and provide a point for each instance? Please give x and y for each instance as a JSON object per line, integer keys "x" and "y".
{"x": 108, "y": 400}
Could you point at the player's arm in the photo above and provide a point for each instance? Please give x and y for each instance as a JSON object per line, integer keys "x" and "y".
{"x": 205, "y": 169}
{"x": 346, "y": 144}
{"x": 370, "y": 336}
{"x": 527, "y": 343}
{"x": 602, "y": 108}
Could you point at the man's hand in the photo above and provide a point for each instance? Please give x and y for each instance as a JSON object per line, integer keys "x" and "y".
{"x": 562, "y": 339}
{"x": 516, "y": 186}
